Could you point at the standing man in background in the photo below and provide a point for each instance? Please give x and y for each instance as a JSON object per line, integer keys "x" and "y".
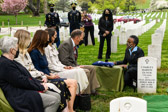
{"x": 74, "y": 17}
{"x": 53, "y": 21}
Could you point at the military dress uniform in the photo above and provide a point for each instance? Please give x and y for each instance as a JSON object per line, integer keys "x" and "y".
{"x": 74, "y": 17}
{"x": 53, "y": 21}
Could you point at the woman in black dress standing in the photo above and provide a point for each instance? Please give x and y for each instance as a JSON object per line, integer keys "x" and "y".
{"x": 106, "y": 28}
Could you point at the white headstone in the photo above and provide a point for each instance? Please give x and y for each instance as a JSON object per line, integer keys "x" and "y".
{"x": 67, "y": 35}
{"x": 96, "y": 31}
{"x": 129, "y": 32}
{"x": 160, "y": 32}
{"x": 147, "y": 75}
{"x": 155, "y": 51}
{"x": 128, "y": 104}
{"x": 114, "y": 44}
{"x": 61, "y": 34}
{"x": 13, "y": 33}
{"x": 116, "y": 32}
{"x": 89, "y": 39}
{"x": 156, "y": 39}
{"x": 122, "y": 38}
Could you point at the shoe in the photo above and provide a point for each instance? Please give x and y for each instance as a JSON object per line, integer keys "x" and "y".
{"x": 107, "y": 58}
{"x": 100, "y": 58}
{"x": 95, "y": 93}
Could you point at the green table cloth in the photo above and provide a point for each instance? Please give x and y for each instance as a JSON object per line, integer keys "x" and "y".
{"x": 4, "y": 105}
{"x": 110, "y": 79}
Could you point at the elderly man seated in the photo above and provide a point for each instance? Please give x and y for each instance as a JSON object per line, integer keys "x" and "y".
{"x": 23, "y": 92}
{"x": 68, "y": 54}
{"x": 132, "y": 53}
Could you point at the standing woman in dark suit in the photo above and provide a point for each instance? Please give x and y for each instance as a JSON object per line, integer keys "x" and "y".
{"x": 105, "y": 27}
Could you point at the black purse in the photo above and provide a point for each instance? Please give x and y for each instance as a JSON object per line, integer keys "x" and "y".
{"x": 82, "y": 101}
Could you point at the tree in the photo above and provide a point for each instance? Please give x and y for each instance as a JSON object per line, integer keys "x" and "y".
{"x": 84, "y": 6}
{"x": 63, "y": 5}
{"x": 141, "y": 2}
{"x": 100, "y": 5}
{"x": 35, "y": 10}
{"x": 129, "y": 5}
{"x": 13, "y": 6}
{"x": 45, "y": 7}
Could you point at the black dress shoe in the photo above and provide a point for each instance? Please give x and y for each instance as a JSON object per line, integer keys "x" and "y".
{"x": 107, "y": 58}
{"x": 100, "y": 58}
{"x": 95, "y": 93}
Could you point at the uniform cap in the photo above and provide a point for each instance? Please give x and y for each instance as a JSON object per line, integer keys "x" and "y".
{"x": 73, "y": 4}
{"x": 51, "y": 5}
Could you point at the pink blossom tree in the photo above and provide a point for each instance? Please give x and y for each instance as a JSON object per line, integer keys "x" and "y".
{"x": 13, "y": 6}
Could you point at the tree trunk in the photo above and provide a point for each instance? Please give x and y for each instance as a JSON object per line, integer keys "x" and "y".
{"x": 33, "y": 8}
{"x": 45, "y": 7}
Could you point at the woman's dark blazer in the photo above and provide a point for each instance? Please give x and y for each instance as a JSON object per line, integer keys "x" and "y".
{"x": 20, "y": 89}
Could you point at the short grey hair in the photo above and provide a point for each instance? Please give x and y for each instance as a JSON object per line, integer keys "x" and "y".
{"x": 6, "y": 43}
{"x": 76, "y": 32}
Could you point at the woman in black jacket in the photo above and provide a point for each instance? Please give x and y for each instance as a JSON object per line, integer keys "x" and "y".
{"x": 23, "y": 92}
{"x": 105, "y": 27}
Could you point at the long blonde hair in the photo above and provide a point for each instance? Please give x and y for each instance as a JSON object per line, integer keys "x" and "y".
{"x": 24, "y": 39}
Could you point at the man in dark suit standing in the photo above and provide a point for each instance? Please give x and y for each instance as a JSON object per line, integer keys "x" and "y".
{"x": 68, "y": 54}
{"x": 74, "y": 17}
{"x": 53, "y": 21}
{"x": 132, "y": 53}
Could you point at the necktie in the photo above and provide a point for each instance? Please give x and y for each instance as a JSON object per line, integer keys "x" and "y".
{"x": 75, "y": 53}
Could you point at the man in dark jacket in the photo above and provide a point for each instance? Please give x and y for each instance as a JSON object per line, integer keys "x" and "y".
{"x": 68, "y": 55}
{"x": 132, "y": 53}
{"x": 74, "y": 17}
{"x": 53, "y": 21}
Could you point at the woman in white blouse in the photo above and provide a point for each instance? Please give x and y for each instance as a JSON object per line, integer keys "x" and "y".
{"x": 63, "y": 71}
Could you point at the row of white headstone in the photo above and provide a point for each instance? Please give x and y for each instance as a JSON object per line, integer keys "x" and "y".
{"x": 30, "y": 29}
{"x": 147, "y": 66}
{"x": 155, "y": 49}
{"x": 134, "y": 29}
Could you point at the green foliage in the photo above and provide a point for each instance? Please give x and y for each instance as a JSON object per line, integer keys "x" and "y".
{"x": 103, "y": 4}
{"x": 63, "y": 5}
{"x": 129, "y": 5}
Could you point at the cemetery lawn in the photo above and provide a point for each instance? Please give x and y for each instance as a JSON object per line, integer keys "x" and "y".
{"x": 28, "y": 20}
{"x": 88, "y": 55}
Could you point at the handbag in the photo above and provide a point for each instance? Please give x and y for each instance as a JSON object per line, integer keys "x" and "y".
{"x": 82, "y": 101}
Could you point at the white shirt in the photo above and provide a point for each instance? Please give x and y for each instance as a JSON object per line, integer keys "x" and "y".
{"x": 73, "y": 42}
{"x": 54, "y": 63}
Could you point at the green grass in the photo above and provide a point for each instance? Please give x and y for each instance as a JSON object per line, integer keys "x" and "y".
{"x": 28, "y": 20}
{"x": 88, "y": 55}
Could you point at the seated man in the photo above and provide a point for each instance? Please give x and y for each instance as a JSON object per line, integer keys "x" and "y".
{"x": 132, "y": 53}
{"x": 68, "y": 54}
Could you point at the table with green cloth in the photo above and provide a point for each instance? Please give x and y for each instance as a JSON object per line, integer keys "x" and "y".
{"x": 4, "y": 105}
{"x": 110, "y": 78}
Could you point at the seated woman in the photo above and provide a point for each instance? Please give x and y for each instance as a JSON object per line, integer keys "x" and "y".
{"x": 24, "y": 59}
{"x": 132, "y": 53}
{"x": 20, "y": 89}
{"x": 37, "y": 54}
{"x": 56, "y": 66}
